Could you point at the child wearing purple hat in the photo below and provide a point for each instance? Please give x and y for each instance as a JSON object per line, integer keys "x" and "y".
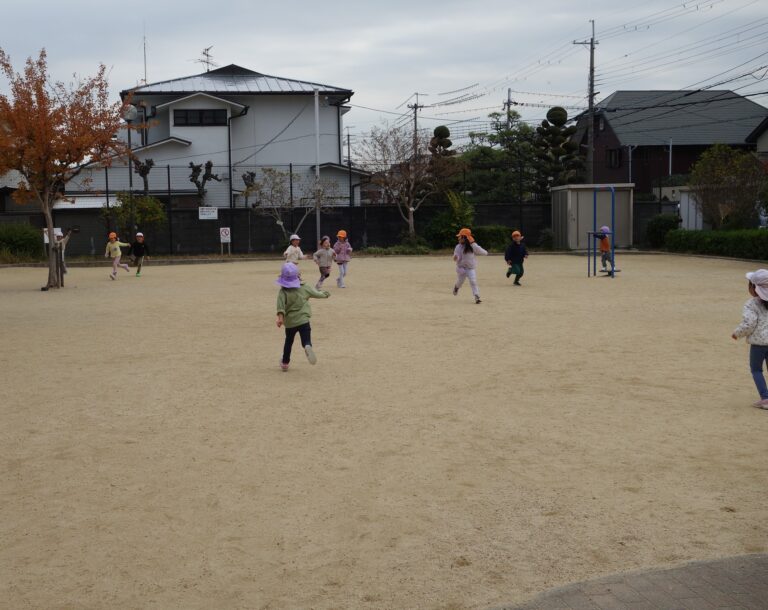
{"x": 294, "y": 311}
{"x": 754, "y": 326}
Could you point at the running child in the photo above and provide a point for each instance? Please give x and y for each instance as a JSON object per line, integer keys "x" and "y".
{"x": 113, "y": 250}
{"x": 515, "y": 254}
{"x": 324, "y": 258}
{"x": 139, "y": 251}
{"x": 466, "y": 263}
{"x": 754, "y": 326}
{"x": 294, "y": 311}
{"x": 605, "y": 247}
{"x": 343, "y": 254}
{"x": 293, "y": 253}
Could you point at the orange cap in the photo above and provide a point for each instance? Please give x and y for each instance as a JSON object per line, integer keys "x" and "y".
{"x": 516, "y": 234}
{"x": 465, "y": 232}
{"x": 342, "y": 233}
{"x": 113, "y": 235}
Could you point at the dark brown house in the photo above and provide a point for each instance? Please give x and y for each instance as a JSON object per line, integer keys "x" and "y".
{"x": 644, "y": 136}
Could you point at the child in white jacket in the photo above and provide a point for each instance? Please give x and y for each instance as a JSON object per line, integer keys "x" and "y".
{"x": 466, "y": 263}
{"x": 754, "y": 326}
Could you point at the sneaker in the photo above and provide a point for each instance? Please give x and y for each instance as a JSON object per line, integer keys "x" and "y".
{"x": 517, "y": 283}
{"x": 138, "y": 274}
{"x": 762, "y": 404}
{"x": 284, "y": 366}
{"x": 477, "y": 300}
{"x": 455, "y": 290}
{"x": 310, "y": 354}
{"x": 111, "y": 276}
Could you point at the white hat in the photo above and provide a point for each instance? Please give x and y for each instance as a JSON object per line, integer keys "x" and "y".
{"x": 139, "y": 234}
{"x": 294, "y": 236}
{"x": 759, "y": 279}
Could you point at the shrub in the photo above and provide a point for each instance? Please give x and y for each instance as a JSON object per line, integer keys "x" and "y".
{"x": 747, "y": 243}
{"x": 403, "y": 250}
{"x": 546, "y": 239}
{"x": 658, "y": 227}
{"x": 441, "y": 230}
{"x": 20, "y": 241}
{"x": 492, "y": 237}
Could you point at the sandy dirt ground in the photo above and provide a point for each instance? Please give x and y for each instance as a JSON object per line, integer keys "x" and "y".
{"x": 441, "y": 454}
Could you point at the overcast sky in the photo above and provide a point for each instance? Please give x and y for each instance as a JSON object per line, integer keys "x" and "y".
{"x": 385, "y": 52}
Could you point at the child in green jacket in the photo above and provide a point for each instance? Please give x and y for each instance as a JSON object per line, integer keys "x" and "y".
{"x": 294, "y": 311}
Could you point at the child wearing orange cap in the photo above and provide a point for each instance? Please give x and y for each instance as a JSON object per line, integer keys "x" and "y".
{"x": 466, "y": 264}
{"x": 343, "y": 254}
{"x": 113, "y": 250}
{"x": 754, "y": 326}
{"x": 515, "y": 254}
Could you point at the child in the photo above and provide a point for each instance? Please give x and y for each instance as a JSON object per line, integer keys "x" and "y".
{"x": 515, "y": 255}
{"x": 324, "y": 258}
{"x": 605, "y": 247}
{"x": 294, "y": 311}
{"x": 139, "y": 250}
{"x": 464, "y": 256}
{"x": 113, "y": 250}
{"x": 343, "y": 253}
{"x": 293, "y": 253}
{"x": 754, "y": 326}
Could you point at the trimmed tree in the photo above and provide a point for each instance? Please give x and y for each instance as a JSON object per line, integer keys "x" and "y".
{"x": 51, "y": 131}
{"x": 558, "y": 156}
{"x": 728, "y": 186}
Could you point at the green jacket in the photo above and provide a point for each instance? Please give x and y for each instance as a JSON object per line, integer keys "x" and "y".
{"x": 293, "y": 303}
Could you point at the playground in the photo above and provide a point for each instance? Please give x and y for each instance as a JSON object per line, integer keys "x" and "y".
{"x": 440, "y": 455}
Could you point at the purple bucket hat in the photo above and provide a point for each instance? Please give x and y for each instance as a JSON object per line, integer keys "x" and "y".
{"x": 605, "y": 229}
{"x": 289, "y": 276}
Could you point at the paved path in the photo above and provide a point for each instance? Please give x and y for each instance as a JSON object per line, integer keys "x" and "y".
{"x": 736, "y": 583}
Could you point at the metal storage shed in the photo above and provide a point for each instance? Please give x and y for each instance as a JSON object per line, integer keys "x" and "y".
{"x": 572, "y": 214}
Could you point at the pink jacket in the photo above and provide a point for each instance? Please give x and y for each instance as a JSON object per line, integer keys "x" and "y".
{"x": 343, "y": 251}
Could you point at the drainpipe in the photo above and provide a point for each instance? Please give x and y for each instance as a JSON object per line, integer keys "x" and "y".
{"x": 243, "y": 112}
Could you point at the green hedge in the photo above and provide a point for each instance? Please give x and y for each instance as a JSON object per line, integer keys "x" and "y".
{"x": 401, "y": 249}
{"x": 492, "y": 237}
{"x": 658, "y": 227}
{"x": 748, "y": 243}
{"x": 21, "y": 240}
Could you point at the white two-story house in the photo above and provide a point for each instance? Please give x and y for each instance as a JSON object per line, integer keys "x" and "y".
{"x": 240, "y": 121}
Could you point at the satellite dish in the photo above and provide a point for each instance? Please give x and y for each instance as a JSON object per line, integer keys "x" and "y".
{"x": 130, "y": 113}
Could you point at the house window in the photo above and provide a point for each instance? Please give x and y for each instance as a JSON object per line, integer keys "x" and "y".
{"x": 199, "y": 118}
{"x": 613, "y": 158}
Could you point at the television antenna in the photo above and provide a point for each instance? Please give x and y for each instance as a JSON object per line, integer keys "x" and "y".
{"x": 206, "y": 59}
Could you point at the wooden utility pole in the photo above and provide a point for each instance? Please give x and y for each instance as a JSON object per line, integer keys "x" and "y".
{"x": 591, "y": 105}
{"x": 415, "y": 107}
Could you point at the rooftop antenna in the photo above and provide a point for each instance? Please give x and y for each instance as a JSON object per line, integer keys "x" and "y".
{"x": 145, "y": 52}
{"x": 207, "y": 59}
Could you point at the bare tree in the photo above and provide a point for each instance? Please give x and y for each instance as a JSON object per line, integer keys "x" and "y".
{"x": 274, "y": 198}
{"x": 402, "y": 166}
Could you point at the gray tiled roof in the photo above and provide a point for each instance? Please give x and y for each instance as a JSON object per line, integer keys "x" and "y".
{"x": 234, "y": 80}
{"x": 649, "y": 118}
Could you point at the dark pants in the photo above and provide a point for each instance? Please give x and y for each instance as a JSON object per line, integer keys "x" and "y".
{"x": 139, "y": 262}
{"x": 757, "y": 355}
{"x": 305, "y": 332}
{"x": 517, "y": 269}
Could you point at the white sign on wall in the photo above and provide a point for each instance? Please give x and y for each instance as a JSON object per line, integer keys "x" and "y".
{"x": 204, "y": 213}
{"x": 225, "y": 235}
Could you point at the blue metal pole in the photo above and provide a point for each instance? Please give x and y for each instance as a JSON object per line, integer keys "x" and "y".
{"x": 594, "y": 228}
{"x": 613, "y": 228}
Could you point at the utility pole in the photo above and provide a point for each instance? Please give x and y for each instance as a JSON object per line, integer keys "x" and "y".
{"x": 591, "y": 108}
{"x": 508, "y": 106}
{"x": 317, "y": 164}
{"x": 349, "y": 167}
{"x": 415, "y": 107}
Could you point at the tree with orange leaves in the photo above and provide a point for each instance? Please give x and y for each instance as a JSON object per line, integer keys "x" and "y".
{"x": 49, "y": 132}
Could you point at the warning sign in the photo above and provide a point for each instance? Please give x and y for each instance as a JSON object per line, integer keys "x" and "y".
{"x": 225, "y": 235}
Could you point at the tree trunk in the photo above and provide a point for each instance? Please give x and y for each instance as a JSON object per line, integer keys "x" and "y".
{"x": 411, "y": 225}
{"x": 53, "y": 277}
